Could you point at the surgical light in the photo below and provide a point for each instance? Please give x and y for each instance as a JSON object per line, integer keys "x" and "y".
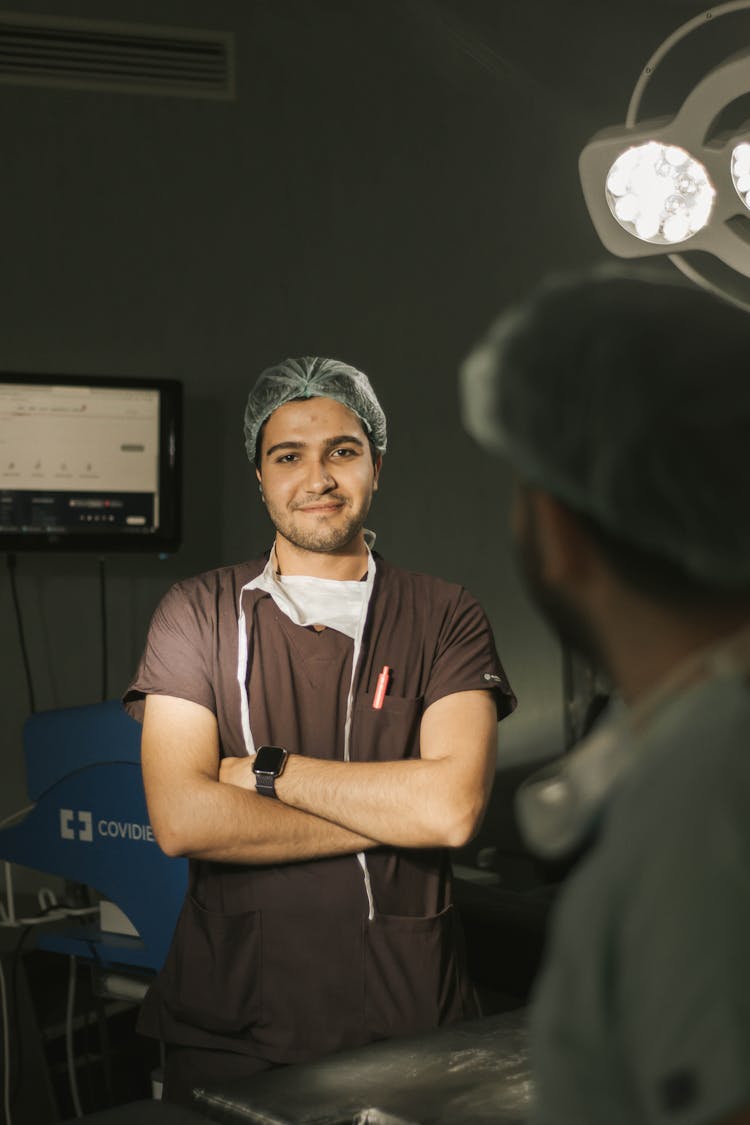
{"x": 679, "y": 184}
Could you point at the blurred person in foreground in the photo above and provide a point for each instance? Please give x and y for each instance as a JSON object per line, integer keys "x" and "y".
{"x": 623, "y": 403}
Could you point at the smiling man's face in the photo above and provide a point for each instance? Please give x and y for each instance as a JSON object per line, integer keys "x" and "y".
{"x": 317, "y": 474}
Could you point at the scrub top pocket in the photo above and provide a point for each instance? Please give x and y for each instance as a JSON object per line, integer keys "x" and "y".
{"x": 212, "y": 975}
{"x": 386, "y": 734}
{"x": 412, "y": 976}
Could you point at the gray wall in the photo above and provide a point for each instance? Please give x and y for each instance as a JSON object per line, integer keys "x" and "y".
{"x": 391, "y": 173}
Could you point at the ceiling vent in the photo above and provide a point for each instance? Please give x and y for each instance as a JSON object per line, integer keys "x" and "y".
{"x": 127, "y": 58}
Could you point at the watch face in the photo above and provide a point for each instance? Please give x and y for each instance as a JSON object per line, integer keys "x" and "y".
{"x": 269, "y": 759}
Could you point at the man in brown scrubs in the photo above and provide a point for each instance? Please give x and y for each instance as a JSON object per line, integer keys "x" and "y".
{"x": 318, "y": 728}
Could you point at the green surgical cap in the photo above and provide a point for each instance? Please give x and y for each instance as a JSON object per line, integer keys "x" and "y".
{"x": 313, "y": 377}
{"x": 627, "y": 397}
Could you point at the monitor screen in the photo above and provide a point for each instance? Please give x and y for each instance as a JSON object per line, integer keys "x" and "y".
{"x": 89, "y": 463}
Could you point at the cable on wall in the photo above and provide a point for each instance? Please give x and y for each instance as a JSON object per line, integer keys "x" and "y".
{"x": 70, "y": 1055}
{"x": 104, "y": 637}
{"x": 15, "y": 1013}
{"x": 6, "y": 1048}
{"x": 21, "y": 634}
{"x": 103, "y": 621}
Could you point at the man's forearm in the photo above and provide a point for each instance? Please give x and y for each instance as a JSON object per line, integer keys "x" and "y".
{"x": 411, "y": 804}
{"x": 436, "y": 800}
{"x": 230, "y": 825}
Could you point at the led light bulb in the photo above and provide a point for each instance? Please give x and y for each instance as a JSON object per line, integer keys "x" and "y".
{"x": 676, "y": 228}
{"x": 675, "y": 155}
{"x": 741, "y": 171}
{"x": 660, "y": 193}
{"x": 626, "y": 209}
{"x": 647, "y": 225}
{"x": 741, "y": 159}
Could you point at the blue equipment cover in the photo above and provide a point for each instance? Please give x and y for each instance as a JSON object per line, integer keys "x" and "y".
{"x": 90, "y": 824}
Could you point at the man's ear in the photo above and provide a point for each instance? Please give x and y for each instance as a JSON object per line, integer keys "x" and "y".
{"x": 377, "y": 465}
{"x": 565, "y": 549}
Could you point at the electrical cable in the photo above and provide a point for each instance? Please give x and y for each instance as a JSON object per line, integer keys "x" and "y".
{"x": 103, "y": 619}
{"x": 85, "y": 1055}
{"x": 13, "y": 1003}
{"x": 104, "y": 1043}
{"x": 69, "y": 1010}
{"x": 16, "y": 815}
{"x": 51, "y": 913}
{"x": 6, "y": 1048}
{"x": 55, "y": 914}
{"x": 21, "y": 636}
{"x": 15, "y": 1012}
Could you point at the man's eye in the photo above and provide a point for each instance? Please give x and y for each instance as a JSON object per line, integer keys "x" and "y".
{"x": 286, "y": 458}
{"x": 343, "y": 452}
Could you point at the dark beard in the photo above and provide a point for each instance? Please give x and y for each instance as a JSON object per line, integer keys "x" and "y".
{"x": 562, "y": 616}
{"x": 318, "y": 537}
{"x": 324, "y": 542}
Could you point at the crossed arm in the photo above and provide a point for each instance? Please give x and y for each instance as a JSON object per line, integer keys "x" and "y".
{"x": 211, "y": 811}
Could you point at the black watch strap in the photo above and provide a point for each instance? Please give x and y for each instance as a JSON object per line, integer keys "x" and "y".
{"x": 265, "y": 784}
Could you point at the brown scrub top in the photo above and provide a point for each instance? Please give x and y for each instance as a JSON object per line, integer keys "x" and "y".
{"x": 281, "y": 961}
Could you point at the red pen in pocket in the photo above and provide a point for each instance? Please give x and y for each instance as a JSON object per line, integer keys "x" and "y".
{"x": 381, "y": 688}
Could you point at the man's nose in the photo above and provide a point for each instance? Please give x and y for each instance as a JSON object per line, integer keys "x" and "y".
{"x": 320, "y": 478}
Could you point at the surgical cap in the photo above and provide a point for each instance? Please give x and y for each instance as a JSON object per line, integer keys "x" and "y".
{"x": 627, "y": 397}
{"x": 313, "y": 377}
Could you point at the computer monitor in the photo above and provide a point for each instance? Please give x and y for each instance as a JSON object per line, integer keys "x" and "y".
{"x": 89, "y": 463}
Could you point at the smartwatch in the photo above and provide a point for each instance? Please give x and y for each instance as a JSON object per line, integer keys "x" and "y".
{"x": 268, "y": 765}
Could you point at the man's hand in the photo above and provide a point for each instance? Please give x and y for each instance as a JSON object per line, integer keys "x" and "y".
{"x": 238, "y": 771}
{"x": 192, "y": 814}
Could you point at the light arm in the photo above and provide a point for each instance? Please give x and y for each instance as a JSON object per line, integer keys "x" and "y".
{"x": 193, "y": 815}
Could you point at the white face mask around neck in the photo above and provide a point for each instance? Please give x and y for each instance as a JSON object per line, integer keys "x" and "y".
{"x": 315, "y": 601}
{"x": 340, "y": 605}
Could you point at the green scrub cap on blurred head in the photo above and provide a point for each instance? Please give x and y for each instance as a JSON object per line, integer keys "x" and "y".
{"x": 627, "y": 397}
{"x": 313, "y": 377}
